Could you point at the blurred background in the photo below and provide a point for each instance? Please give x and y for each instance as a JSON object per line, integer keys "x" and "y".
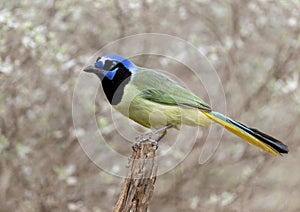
{"x": 254, "y": 46}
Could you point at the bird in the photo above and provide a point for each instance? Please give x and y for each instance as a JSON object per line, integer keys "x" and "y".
{"x": 155, "y": 101}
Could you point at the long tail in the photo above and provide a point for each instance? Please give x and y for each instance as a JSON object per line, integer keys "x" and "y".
{"x": 251, "y": 135}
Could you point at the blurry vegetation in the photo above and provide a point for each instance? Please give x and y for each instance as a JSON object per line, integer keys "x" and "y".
{"x": 254, "y": 46}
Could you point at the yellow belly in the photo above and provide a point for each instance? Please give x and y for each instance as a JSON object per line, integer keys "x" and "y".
{"x": 155, "y": 115}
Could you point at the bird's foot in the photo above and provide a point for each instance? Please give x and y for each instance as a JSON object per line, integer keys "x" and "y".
{"x": 154, "y": 136}
{"x": 143, "y": 137}
{"x": 147, "y": 137}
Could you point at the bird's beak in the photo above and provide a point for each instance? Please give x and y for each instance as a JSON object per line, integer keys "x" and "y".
{"x": 92, "y": 69}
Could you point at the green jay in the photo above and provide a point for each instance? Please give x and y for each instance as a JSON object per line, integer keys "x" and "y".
{"x": 137, "y": 92}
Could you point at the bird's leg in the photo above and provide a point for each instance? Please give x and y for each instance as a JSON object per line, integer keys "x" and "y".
{"x": 162, "y": 129}
{"x": 149, "y": 136}
{"x": 162, "y": 135}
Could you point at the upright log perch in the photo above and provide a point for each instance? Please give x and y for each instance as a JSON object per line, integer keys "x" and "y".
{"x": 138, "y": 186}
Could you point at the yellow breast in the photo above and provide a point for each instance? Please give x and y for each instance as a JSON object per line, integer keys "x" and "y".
{"x": 155, "y": 115}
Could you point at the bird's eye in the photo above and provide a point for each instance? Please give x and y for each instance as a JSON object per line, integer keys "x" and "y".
{"x": 109, "y": 64}
{"x": 99, "y": 58}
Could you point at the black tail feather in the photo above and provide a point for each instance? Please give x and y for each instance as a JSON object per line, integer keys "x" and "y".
{"x": 267, "y": 139}
{"x": 273, "y": 142}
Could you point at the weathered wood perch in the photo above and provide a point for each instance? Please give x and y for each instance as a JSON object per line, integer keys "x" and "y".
{"x": 138, "y": 186}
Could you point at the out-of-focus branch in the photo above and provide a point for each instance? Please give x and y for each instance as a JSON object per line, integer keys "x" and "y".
{"x": 120, "y": 18}
{"x": 138, "y": 186}
{"x": 277, "y": 71}
{"x": 5, "y": 179}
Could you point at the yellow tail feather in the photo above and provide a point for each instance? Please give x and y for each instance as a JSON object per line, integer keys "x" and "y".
{"x": 244, "y": 135}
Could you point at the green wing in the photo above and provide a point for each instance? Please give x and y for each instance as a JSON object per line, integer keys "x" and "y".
{"x": 159, "y": 88}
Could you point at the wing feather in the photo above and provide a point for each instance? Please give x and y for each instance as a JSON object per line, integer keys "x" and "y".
{"x": 159, "y": 88}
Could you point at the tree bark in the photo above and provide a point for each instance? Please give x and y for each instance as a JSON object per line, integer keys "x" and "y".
{"x": 138, "y": 186}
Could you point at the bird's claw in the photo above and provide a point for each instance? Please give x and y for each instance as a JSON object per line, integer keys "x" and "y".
{"x": 144, "y": 137}
{"x": 154, "y": 144}
{"x": 154, "y": 137}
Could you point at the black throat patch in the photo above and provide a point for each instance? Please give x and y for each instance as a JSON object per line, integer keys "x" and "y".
{"x": 114, "y": 88}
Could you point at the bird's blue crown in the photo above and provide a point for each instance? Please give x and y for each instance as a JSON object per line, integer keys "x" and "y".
{"x": 109, "y": 61}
